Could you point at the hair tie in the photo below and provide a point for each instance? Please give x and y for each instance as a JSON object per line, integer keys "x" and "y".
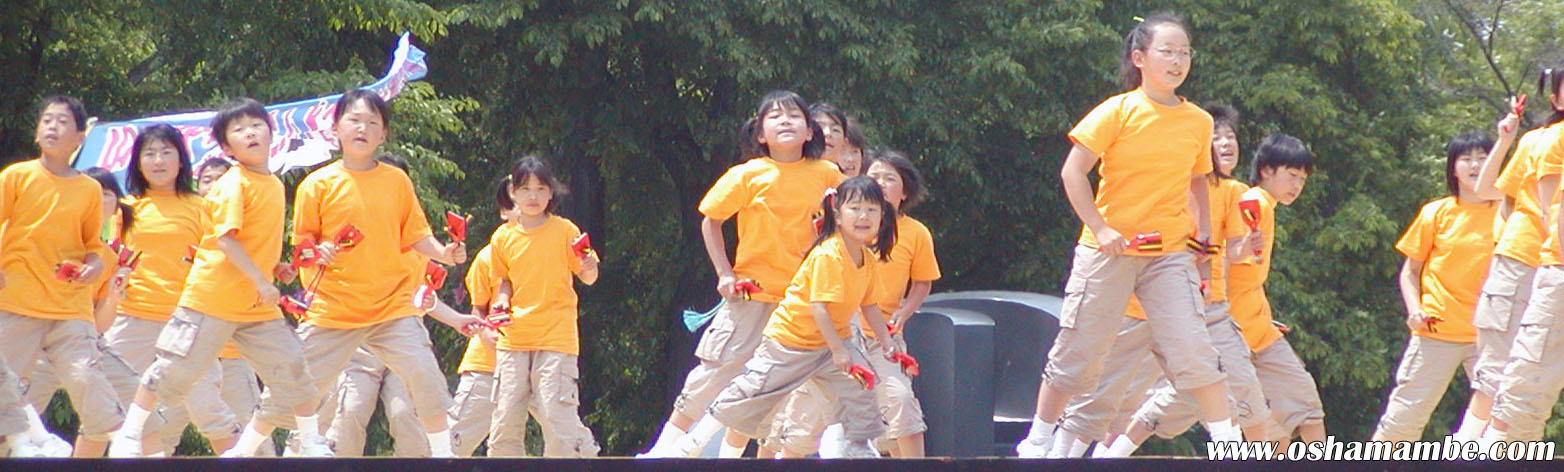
{"x": 830, "y": 197}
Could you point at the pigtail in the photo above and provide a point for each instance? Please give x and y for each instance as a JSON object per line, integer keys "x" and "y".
{"x": 826, "y": 225}
{"x": 886, "y": 240}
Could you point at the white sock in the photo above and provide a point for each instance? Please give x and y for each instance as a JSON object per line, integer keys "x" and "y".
{"x": 669, "y": 434}
{"x": 249, "y": 441}
{"x": 1040, "y": 429}
{"x": 1063, "y": 439}
{"x": 1224, "y": 430}
{"x": 1121, "y": 447}
{"x": 1078, "y": 448}
{"x": 1100, "y": 450}
{"x": 35, "y": 427}
{"x": 1489, "y": 437}
{"x": 440, "y": 444}
{"x": 135, "y": 420}
{"x": 308, "y": 424}
{"x": 1471, "y": 428}
{"x": 700, "y": 434}
{"x": 729, "y": 451}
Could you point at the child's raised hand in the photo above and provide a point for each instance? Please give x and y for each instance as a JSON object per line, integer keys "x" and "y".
{"x": 1110, "y": 241}
{"x": 590, "y": 262}
{"x": 1508, "y": 126}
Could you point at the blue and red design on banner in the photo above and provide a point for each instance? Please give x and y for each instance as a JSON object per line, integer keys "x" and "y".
{"x": 302, "y": 129}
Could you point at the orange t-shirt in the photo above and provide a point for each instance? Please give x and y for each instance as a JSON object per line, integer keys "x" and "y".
{"x": 539, "y": 264}
{"x": 1454, "y": 241}
{"x": 826, "y": 276}
{"x": 249, "y": 206}
{"x": 912, "y": 260}
{"x": 480, "y": 290}
{"x": 1246, "y": 281}
{"x": 46, "y": 219}
{"x": 369, "y": 283}
{"x": 1522, "y": 234}
{"x": 775, "y": 203}
{"x": 1149, "y": 152}
{"x": 166, "y": 225}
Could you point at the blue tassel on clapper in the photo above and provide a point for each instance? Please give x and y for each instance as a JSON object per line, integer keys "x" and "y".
{"x": 693, "y": 320}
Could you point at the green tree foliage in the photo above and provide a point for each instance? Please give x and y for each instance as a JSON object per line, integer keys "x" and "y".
{"x": 638, "y": 102}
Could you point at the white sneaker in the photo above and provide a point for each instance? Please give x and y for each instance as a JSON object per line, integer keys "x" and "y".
{"x": 53, "y": 446}
{"x": 25, "y": 448}
{"x": 1034, "y": 447}
{"x": 859, "y": 450}
{"x": 831, "y": 442}
{"x": 308, "y": 445}
{"x": 125, "y": 447}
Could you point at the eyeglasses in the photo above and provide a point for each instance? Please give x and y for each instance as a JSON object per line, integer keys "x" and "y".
{"x": 1167, "y": 53}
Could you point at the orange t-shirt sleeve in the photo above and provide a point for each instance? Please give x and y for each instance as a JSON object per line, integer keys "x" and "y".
{"x": 727, "y": 196}
{"x": 1233, "y": 221}
{"x": 1101, "y": 127}
{"x": 925, "y": 266}
{"x": 306, "y": 213}
{"x": 1418, "y": 241}
{"x": 1203, "y": 161}
{"x": 415, "y": 226}
{"x": 825, "y": 280}
{"x": 480, "y": 289}
{"x": 228, "y": 210}
{"x": 1550, "y": 158}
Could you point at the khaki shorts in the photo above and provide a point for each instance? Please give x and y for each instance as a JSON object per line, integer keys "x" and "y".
{"x": 1169, "y": 413}
{"x": 82, "y": 366}
{"x": 547, "y": 384}
{"x": 190, "y": 342}
{"x": 775, "y": 371}
{"x": 13, "y": 415}
{"x": 1425, "y": 372}
{"x": 134, "y": 340}
{"x": 1532, "y": 379}
{"x": 402, "y": 343}
{"x": 804, "y": 415}
{"x": 1506, "y": 292}
{"x": 1130, "y": 370}
{"x": 365, "y": 382}
{"x": 1095, "y": 299}
{"x": 723, "y": 349}
{"x": 472, "y": 413}
{"x": 1294, "y": 399}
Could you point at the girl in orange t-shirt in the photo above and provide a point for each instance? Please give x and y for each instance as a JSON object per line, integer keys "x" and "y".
{"x": 807, "y": 338}
{"x": 1446, "y": 249}
{"x": 1154, "y": 148}
{"x": 536, "y": 356}
{"x": 774, "y": 196}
